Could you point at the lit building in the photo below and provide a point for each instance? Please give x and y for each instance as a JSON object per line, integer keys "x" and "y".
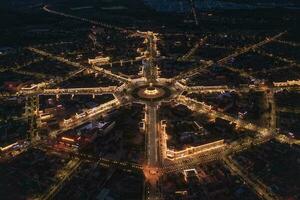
{"x": 99, "y": 60}
{"x": 174, "y": 154}
{"x": 287, "y": 83}
{"x": 85, "y": 134}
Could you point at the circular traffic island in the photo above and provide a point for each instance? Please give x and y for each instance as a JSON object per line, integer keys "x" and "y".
{"x": 153, "y": 92}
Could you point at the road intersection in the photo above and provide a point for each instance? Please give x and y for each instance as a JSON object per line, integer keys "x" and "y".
{"x": 156, "y": 143}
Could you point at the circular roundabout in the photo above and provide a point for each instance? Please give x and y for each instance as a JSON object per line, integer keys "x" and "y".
{"x": 151, "y": 92}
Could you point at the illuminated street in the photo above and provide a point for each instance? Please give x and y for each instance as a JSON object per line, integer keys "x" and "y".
{"x": 152, "y": 100}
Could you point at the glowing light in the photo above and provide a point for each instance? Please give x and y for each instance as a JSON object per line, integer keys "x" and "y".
{"x": 8, "y": 146}
{"x": 151, "y": 91}
{"x": 68, "y": 139}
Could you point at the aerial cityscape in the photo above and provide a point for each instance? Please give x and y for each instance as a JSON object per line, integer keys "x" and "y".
{"x": 150, "y": 100}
